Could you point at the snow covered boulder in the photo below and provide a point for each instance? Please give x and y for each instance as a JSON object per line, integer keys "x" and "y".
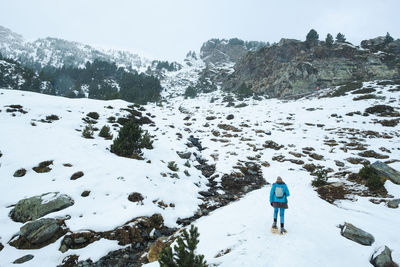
{"x": 385, "y": 171}
{"x": 35, "y": 207}
{"x": 356, "y": 234}
{"x": 383, "y": 258}
{"x": 39, "y": 233}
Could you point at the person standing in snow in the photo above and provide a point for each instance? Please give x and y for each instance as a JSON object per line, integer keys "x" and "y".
{"x": 278, "y": 200}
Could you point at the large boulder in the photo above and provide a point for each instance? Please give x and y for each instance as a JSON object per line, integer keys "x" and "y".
{"x": 35, "y": 207}
{"x": 387, "y": 172}
{"x": 356, "y": 234}
{"x": 39, "y": 233}
{"x": 383, "y": 258}
{"x": 394, "y": 203}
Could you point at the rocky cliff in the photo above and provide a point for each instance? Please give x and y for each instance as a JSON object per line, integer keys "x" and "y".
{"x": 291, "y": 67}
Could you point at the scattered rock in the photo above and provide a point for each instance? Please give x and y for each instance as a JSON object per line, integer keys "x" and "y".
{"x": 339, "y": 163}
{"x": 184, "y": 155}
{"x": 85, "y": 193}
{"x": 43, "y": 166}
{"x": 206, "y": 170}
{"x": 228, "y": 127}
{"x": 135, "y": 197}
{"x": 77, "y": 175}
{"x": 23, "y": 259}
{"x": 383, "y": 259}
{"x": 271, "y": 144}
{"x": 195, "y": 142}
{"x": 394, "y": 203}
{"x": 389, "y": 123}
{"x": 386, "y": 171}
{"x": 38, "y": 234}
{"x": 78, "y": 240}
{"x": 372, "y": 154}
{"x": 20, "y": 173}
{"x": 210, "y": 118}
{"x": 67, "y": 165}
{"x": 1, "y": 246}
{"x": 382, "y": 110}
{"x": 316, "y": 156}
{"x": 356, "y": 234}
{"x": 35, "y": 207}
{"x": 230, "y": 117}
{"x": 357, "y": 161}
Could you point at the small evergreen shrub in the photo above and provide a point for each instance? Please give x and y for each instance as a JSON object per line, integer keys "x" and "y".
{"x": 342, "y": 90}
{"x": 105, "y": 132}
{"x": 183, "y": 254}
{"x": 52, "y": 117}
{"x": 321, "y": 179}
{"x": 173, "y": 166}
{"x": 131, "y": 140}
{"x": 88, "y": 132}
{"x": 93, "y": 115}
{"x": 371, "y": 178}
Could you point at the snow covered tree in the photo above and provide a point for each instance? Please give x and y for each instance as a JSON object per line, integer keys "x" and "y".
{"x": 329, "y": 40}
{"x": 340, "y": 38}
{"x": 131, "y": 140}
{"x": 312, "y": 37}
{"x": 183, "y": 254}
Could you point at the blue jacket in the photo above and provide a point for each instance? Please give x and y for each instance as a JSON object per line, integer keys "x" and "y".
{"x": 273, "y": 198}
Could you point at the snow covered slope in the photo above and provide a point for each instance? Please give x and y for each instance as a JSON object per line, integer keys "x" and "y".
{"x": 238, "y": 233}
{"x": 58, "y": 52}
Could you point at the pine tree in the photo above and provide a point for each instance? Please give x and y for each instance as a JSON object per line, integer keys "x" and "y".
{"x": 312, "y": 37}
{"x": 183, "y": 254}
{"x": 88, "y": 131}
{"x": 329, "y": 40}
{"x": 340, "y": 38}
{"x": 131, "y": 140}
{"x": 105, "y": 132}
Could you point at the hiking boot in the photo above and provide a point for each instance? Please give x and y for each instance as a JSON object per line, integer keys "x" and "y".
{"x": 274, "y": 226}
{"x": 283, "y": 231}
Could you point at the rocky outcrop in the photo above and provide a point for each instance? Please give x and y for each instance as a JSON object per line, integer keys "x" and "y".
{"x": 35, "y": 207}
{"x": 383, "y": 258}
{"x": 386, "y": 171}
{"x": 218, "y": 51}
{"x": 39, "y": 233}
{"x": 291, "y": 68}
{"x": 356, "y": 234}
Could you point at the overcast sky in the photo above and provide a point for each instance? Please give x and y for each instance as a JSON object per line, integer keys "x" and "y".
{"x": 168, "y": 29}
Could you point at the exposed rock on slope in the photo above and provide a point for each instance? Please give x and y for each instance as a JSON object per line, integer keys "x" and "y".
{"x": 35, "y": 207}
{"x": 290, "y": 67}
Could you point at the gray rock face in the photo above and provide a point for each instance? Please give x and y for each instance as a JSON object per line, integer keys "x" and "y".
{"x": 184, "y": 155}
{"x": 291, "y": 68}
{"x": 383, "y": 259}
{"x": 23, "y": 259}
{"x": 39, "y": 233}
{"x": 35, "y": 207}
{"x": 218, "y": 51}
{"x": 388, "y": 172}
{"x": 356, "y": 234}
{"x": 394, "y": 203}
